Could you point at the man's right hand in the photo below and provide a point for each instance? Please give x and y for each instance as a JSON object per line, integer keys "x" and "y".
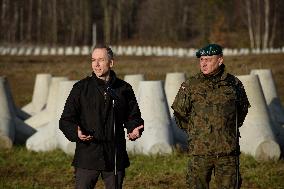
{"x": 82, "y": 136}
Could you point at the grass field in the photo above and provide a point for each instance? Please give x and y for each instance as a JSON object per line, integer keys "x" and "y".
{"x": 23, "y": 169}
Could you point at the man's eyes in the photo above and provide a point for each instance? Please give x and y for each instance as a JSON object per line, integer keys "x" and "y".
{"x": 206, "y": 59}
{"x": 100, "y": 60}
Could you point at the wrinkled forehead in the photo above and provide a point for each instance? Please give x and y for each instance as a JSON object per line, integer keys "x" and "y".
{"x": 99, "y": 52}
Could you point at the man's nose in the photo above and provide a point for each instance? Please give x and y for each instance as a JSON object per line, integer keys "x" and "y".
{"x": 97, "y": 63}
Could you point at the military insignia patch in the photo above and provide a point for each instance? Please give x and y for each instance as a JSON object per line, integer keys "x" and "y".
{"x": 183, "y": 86}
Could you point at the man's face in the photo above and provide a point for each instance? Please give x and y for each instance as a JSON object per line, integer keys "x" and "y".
{"x": 100, "y": 62}
{"x": 210, "y": 64}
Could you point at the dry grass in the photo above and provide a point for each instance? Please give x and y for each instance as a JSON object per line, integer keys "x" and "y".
{"x": 20, "y": 168}
{"x": 21, "y": 71}
{"x": 23, "y": 169}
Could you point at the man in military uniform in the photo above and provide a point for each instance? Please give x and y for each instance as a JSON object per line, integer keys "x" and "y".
{"x": 210, "y": 107}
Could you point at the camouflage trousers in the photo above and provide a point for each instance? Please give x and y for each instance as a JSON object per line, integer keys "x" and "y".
{"x": 200, "y": 169}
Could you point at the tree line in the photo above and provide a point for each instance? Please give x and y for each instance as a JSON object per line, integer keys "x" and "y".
{"x": 188, "y": 23}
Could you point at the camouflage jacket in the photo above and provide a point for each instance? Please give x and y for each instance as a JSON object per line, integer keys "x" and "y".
{"x": 206, "y": 108}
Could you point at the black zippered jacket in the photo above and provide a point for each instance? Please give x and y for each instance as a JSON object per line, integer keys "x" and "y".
{"x": 90, "y": 106}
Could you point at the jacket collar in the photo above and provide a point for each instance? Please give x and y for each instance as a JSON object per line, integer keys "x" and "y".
{"x": 110, "y": 82}
{"x": 220, "y": 75}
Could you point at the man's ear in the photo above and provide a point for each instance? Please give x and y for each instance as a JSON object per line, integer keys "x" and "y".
{"x": 111, "y": 63}
{"x": 221, "y": 60}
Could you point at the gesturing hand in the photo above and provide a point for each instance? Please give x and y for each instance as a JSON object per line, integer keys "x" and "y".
{"x": 135, "y": 133}
{"x": 82, "y": 136}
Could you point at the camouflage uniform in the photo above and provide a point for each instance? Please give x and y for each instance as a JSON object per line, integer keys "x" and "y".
{"x": 205, "y": 107}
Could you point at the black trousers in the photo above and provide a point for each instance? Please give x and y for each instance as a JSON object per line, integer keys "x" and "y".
{"x": 87, "y": 179}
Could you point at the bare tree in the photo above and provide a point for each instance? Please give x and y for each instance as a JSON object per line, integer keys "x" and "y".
{"x": 273, "y": 30}
{"x": 266, "y": 23}
{"x": 14, "y": 24}
{"x": 29, "y": 21}
{"x": 257, "y": 19}
{"x": 54, "y": 22}
{"x": 253, "y": 23}
{"x": 250, "y": 26}
{"x": 261, "y": 22}
{"x": 4, "y": 11}
{"x": 38, "y": 22}
{"x": 274, "y": 23}
{"x": 107, "y": 9}
{"x": 21, "y": 20}
{"x": 87, "y": 22}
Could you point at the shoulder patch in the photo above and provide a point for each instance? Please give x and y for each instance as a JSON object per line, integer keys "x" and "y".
{"x": 183, "y": 86}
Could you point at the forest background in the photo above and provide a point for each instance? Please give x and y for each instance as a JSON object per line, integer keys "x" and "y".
{"x": 182, "y": 23}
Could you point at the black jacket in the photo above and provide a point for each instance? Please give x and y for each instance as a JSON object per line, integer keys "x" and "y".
{"x": 90, "y": 106}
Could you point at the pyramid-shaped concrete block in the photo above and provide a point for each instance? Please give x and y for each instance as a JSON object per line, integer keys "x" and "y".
{"x": 7, "y": 124}
{"x": 157, "y": 136}
{"x": 273, "y": 102}
{"x": 173, "y": 82}
{"x": 22, "y": 130}
{"x": 44, "y": 139}
{"x": 47, "y": 114}
{"x": 257, "y": 137}
{"x": 49, "y": 136}
{"x": 63, "y": 143}
{"x": 21, "y": 114}
{"x": 134, "y": 81}
{"x": 270, "y": 93}
{"x": 40, "y": 94}
{"x": 16, "y": 111}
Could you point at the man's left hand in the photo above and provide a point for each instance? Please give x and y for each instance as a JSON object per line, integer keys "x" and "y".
{"x": 135, "y": 133}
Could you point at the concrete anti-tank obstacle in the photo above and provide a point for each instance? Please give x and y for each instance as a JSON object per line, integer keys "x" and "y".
{"x": 270, "y": 93}
{"x": 7, "y": 124}
{"x": 172, "y": 84}
{"x": 40, "y": 94}
{"x": 44, "y": 139}
{"x": 273, "y": 102}
{"x": 46, "y": 115}
{"x": 63, "y": 143}
{"x": 134, "y": 81}
{"x": 22, "y": 130}
{"x": 19, "y": 113}
{"x": 157, "y": 137}
{"x": 257, "y": 137}
{"x": 49, "y": 136}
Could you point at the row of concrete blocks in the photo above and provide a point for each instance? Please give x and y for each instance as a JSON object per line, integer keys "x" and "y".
{"x": 126, "y": 51}
{"x": 44, "y": 51}
{"x": 262, "y": 132}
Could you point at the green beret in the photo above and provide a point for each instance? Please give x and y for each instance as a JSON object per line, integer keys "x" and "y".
{"x": 209, "y": 50}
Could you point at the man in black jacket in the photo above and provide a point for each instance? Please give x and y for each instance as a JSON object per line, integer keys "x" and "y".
{"x": 95, "y": 114}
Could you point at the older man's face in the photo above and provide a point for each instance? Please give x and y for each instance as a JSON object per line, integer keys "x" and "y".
{"x": 210, "y": 64}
